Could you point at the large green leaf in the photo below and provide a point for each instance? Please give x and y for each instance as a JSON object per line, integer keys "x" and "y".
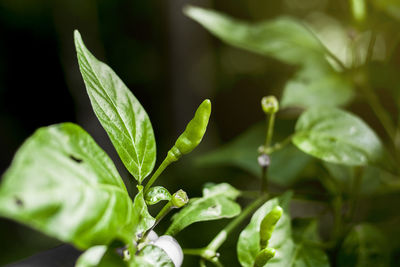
{"x": 283, "y": 38}
{"x": 151, "y": 256}
{"x": 119, "y": 112}
{"x": 242, "y": 153}
{"x": 248, "y": 244}
{"x": 364, "y": 246}
{"x": 288, "y": 40}
{"x": 216, "y": 203}
{"x": 63, "y": 184}
{"x": 337, "y": 136}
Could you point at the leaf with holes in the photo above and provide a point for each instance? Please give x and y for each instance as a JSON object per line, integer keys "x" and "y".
{"x": 63, "y": 184}
{"x": 217, "y": 203}
{"x": 337, "y": 136}
{"x": 119, "y": 112}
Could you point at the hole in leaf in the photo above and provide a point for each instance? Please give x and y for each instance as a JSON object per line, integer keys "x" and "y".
{"x": 18, "y": 201}
{"x": 77, "y": 160}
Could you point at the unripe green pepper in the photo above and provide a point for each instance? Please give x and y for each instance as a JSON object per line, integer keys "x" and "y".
{"x": 263, "y": 257}
{"x": 268, "y": 224}
{"x": 269, "y": 104}
{"x": 193, "y": 133}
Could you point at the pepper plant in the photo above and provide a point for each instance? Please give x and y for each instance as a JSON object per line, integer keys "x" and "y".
{"x": 63, "y": 184}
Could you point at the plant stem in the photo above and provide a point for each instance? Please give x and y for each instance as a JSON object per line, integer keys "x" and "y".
{"x": 168, "y": 160}
{"x": 379, "y": 111}
{"x": 279, "y": 146}
{"x": 270, "y": 130}
{"x": 220, "y": 238}
{"x": 164, "y": 211}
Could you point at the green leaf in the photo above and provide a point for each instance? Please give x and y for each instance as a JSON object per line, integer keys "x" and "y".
{"x": 100, "y": 256}
{"x": 63, "y": 184}
{"x": 151, "y": 256}
{"x": 391, "y": 7}
{"x": 156, "y": 194}
{"x": 288, "y": 40}
{"x": 91, "y": 257}
{"x": 284, "y": 38}
{"x": 307, "y": 254}
{"x": 317, "y": 84}
{"x": 248, "y": 244}
{"x": 337, "y": 136}
{"x": 242, "y": 153}
{"x": 216, "y": 203}
{"x": 374, "y": 180}
{"x": 365, "y": 245}
{"x": 119, "y": 112}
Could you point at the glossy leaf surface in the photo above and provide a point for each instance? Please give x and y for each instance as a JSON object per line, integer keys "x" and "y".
{"x": 217, "y": 203}
{"x": 337, "y": 136}
{"x": 119, "y": 112}
{"x": 63, "y": 184}
{"x": 156, "y": 194}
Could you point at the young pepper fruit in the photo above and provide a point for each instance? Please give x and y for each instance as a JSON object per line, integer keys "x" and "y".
{"x": 193, "y": 133}
{"x": 268, "y": 224}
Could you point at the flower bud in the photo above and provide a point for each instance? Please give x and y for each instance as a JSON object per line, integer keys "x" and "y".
{"x": 269, "y": 104}
{"x": 179, "y": 199}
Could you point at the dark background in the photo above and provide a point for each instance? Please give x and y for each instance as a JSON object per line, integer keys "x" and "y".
{"x": 168, "y": 61}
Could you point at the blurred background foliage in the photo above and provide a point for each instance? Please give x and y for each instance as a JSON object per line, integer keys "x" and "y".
{"x": 171, "y": 63}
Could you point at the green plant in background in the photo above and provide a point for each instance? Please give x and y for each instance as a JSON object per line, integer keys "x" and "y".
{"x": 63, "y": 184}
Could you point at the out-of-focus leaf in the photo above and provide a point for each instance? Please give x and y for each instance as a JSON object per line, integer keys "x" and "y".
{"x": 217, "y": 203}
{"x": 248, "y": 245}
{"x": 337, "y": 136}
{"x": 286, "y": 164}
{"x": 374, "y": 180}
{"x": 119, "y": 112}
{"x": 157, "y": 194}
{"x": 91, "y": 257}
{"x": 391, "y": 7}
{"x": 283, "y": 38}
{"x": 289, "y": 40}
{"x": 100, "y": 256}
{"x": 151, "y": 256}
{"x": 306, "y": 254}
{"x": 365, "y": 245}
{"x": 317, "y": 85}
{"x": 63, "y": 184}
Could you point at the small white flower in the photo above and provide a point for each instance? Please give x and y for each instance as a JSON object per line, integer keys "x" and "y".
{"x": 171, "y": 247}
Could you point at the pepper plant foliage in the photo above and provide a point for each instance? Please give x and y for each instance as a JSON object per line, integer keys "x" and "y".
{"x": 63, "y": 184}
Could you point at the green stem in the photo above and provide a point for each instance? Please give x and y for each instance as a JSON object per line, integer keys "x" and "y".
{"x": 168, "y": 160}
{"x": 278, "y": 146}
{"x": 220, "y": 238}
{"x": 379, "y": 111}
{"x": 355, "y": 193}
{"x": 270, "y": 130}
{"x": 163, "y": 212}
